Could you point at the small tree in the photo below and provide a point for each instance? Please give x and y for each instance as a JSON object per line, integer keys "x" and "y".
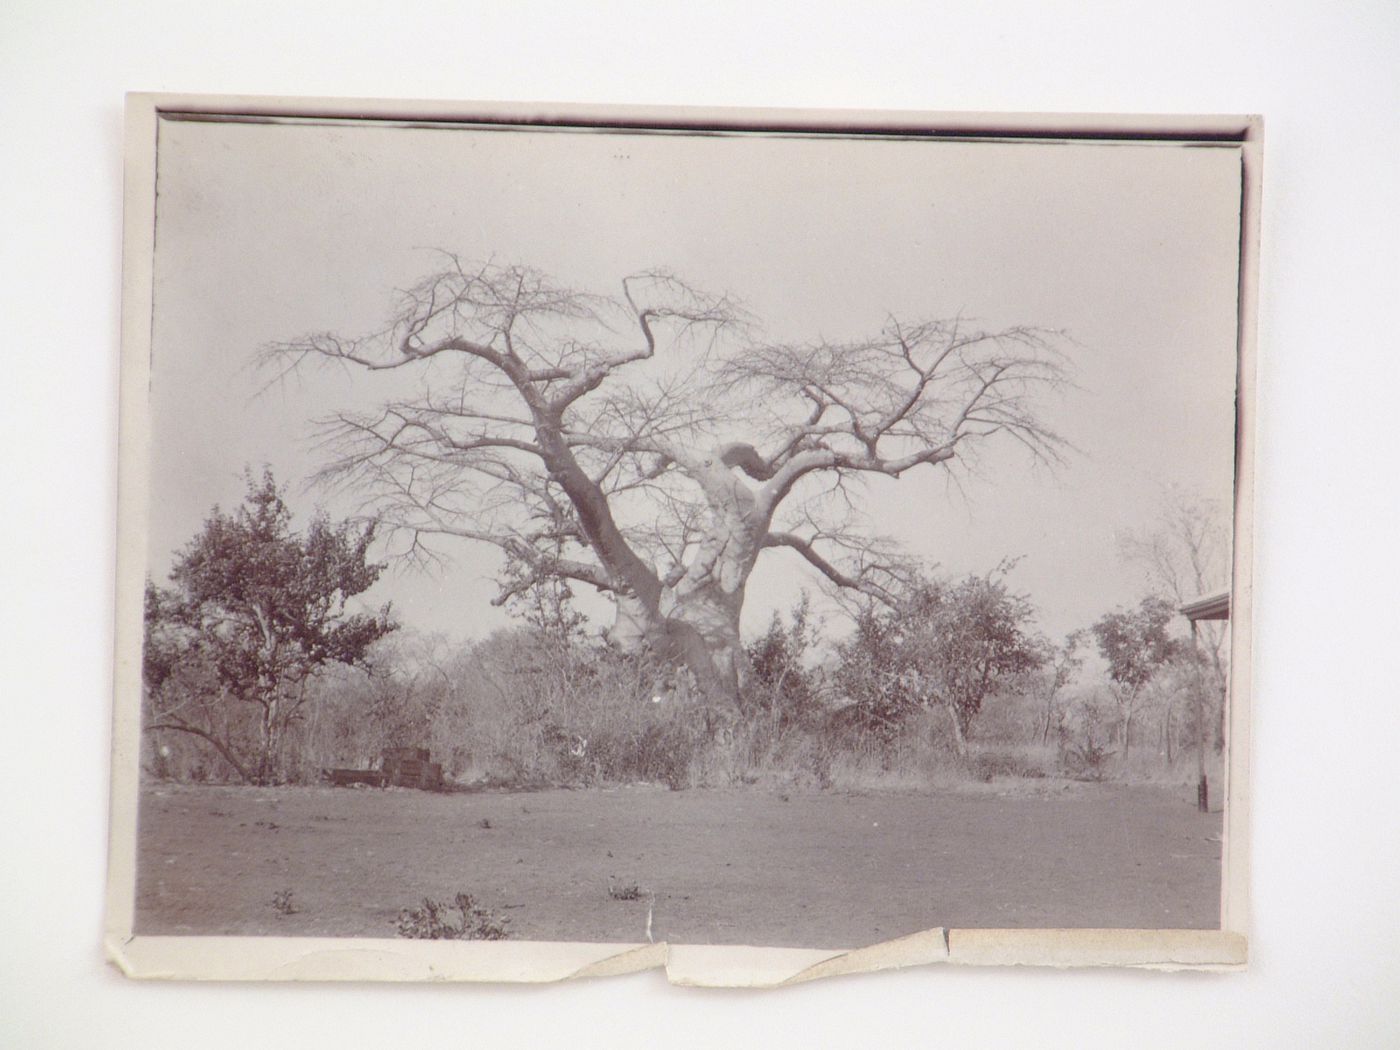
{"x": 948, "y": 644}
{"x": 544, "y": 602}
{"x": 1188, "y": 555}
{"x": 781, "y": 683}
{"x": 258, "y": 610}
{"x": 1062, "y": 663}
{"x": 876, "y": 673}
{"x": 976, "y": 639}
{"x": 1136, "y": 645}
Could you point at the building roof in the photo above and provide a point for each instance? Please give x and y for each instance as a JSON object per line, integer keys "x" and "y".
{"x": 1208, "y": 607}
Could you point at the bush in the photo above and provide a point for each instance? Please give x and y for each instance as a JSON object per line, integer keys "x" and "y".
{"x": 783, "y": 691}
{"x": 523, "y": 710}
{"x": 1084, "y": 739}
{"x": 1086, "y": 760}
{"x": 431, "y": 922}
{"x": 1024, "y": 763}
{"x": 659, "y": 752}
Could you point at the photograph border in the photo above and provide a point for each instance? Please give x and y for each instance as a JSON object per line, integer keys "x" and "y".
{"x": 327, "y": 959}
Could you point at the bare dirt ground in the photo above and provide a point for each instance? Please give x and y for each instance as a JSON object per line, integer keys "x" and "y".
{"x": 830, "y": 870}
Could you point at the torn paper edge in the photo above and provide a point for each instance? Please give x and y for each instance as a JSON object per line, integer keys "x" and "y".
{"x": 336, "y": 959}
{"x": 373, "y": 959}
{"x": 707, "y": 966}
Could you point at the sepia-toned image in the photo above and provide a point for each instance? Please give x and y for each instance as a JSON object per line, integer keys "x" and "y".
{"x": 665, "y": 533}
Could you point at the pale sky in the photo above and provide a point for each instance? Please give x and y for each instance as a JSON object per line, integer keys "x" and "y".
{"x": 269, "y": 231}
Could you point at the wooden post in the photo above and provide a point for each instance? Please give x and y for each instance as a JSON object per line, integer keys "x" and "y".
{"x": 1202, "y": 787}
{"x": 1213, "y": 607}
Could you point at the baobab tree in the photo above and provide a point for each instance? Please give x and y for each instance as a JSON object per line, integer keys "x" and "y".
{"x": 649, "y": 445}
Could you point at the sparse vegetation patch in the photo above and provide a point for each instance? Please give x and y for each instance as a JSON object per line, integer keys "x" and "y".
{"x": 433, "y": 921}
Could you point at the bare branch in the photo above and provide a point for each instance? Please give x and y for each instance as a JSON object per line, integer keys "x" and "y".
{"x": 882, "y": 578}
{"x": 912, "y": 396}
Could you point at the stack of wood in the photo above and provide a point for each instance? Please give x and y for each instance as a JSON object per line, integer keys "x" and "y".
{"x": 351, "y": 777}
{"x": 398, "y": 767}
{"x": 411, "y": 767}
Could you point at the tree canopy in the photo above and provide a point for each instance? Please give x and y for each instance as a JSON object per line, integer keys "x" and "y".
{"x": 950, "y": 644}
{"x": 1136, "y": 643}
{"x": 253, "y": 612}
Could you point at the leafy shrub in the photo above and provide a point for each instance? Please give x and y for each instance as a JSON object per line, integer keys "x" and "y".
{"x": 782, "y": 691}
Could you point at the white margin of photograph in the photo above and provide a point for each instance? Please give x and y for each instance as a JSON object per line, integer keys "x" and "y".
{"x": 355, "y": 959}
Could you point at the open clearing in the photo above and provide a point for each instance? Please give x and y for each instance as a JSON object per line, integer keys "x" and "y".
{"x": 829, "y": 870}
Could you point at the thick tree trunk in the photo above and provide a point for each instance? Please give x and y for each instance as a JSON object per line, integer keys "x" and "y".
{"x": 694, "y": 621}
{"x": 960, "y": 728}
{"x": 268, "y": 744}
{"x": 710, "y": 650}
{"x": 694, "y": 628}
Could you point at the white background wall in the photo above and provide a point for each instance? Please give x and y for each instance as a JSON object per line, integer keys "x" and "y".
{"x": 1327, "y": 721}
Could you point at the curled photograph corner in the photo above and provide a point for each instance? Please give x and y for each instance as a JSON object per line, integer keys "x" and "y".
{"x": 115, "y": 949}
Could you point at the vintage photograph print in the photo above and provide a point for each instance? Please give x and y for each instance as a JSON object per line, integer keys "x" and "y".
{"x": 763, "y": 544}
